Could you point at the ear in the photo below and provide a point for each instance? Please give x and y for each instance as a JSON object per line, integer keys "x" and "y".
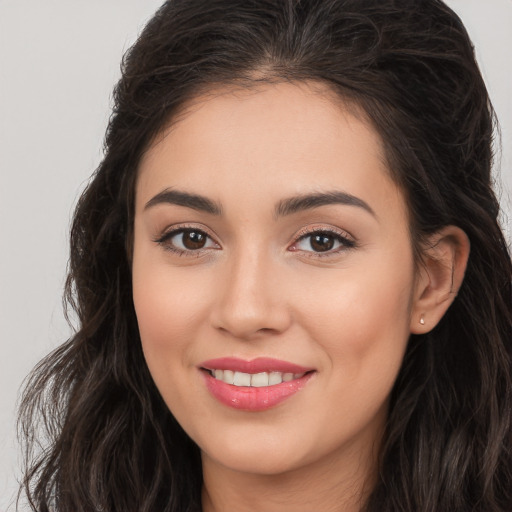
{"x": 440, "y": 274}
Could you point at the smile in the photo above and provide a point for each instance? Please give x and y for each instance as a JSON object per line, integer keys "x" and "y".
{"x": 255, "y": 385}
{"x": 255, "y": 380}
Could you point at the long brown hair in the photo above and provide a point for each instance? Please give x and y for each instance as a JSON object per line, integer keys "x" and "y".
{"x": 109, "y": 441}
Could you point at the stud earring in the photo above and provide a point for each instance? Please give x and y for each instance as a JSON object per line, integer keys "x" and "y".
{"x": 422, "y": 320}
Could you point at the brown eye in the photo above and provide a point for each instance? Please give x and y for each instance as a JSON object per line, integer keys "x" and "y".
{"x": 187, "y": 240}
{"x": 193, "y": 240}
{"x": 329, "y": 242}
{"x": 322, "y": 242}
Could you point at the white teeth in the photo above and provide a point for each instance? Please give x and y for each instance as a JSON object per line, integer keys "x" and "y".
{"x": 275, "y": 378}
{"x": 259, "y": 380}
{"x": 229, "y": 376}
{"x": 242, "y": 379}
{"x": 256, "y": 380}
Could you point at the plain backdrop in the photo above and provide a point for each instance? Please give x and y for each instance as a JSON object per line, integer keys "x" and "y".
{"x": 59, "y": 60}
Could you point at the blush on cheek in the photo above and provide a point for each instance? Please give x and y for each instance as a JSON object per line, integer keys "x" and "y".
{"x": 365, "y": 317}
{"x": 149, "y": 318}
{"x": 168, "y": 318}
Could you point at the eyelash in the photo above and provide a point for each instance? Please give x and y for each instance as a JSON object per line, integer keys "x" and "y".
{"x": 164, "y": 240}
{"x": 344, "y": 239}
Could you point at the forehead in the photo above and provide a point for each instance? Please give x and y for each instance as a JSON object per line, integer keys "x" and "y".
{"x": 283, "y": 139}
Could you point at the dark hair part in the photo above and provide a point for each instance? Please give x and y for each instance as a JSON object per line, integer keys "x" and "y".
{"x": 409, "y": 65}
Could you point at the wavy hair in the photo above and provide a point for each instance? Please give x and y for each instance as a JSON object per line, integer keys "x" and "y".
{"x": 98, "y": 435}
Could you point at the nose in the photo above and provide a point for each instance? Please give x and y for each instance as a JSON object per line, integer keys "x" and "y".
{"x": 252, "y": 300}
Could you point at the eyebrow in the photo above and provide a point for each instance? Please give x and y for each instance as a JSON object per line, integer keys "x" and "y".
{"x": 309, "y": 201}
{"x": 194, "y": 201}
{"x": 283, "y": 208}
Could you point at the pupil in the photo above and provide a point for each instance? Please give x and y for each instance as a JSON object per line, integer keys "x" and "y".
{"x": 322, "y": 242}
{"x": 194, "y": 240}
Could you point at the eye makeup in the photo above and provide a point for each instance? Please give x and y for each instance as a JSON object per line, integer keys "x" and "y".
{"x": 321, "y": 242}
{"x": 314, "y": 242}
{"x": 186, "y": 240}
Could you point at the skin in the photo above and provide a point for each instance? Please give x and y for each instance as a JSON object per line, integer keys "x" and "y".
{"x": 258, "y": 289}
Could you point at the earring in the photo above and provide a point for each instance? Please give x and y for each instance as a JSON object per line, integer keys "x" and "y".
{"x": 422, "y": 320}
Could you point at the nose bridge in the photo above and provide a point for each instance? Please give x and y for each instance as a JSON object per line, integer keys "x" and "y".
{"x": 250, "y": 300}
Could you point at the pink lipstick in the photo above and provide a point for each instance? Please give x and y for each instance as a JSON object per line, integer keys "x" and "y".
{"x": 254, "y": 385}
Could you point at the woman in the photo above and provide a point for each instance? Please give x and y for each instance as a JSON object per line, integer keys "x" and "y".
{"x": 292, "y": 288}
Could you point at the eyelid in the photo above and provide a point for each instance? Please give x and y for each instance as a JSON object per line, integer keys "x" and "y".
{"x": 347, "y": 240}
{"x": 175, "y": 229}
{"x": 322, "y": 228}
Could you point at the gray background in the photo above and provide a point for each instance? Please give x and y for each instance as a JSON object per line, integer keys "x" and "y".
{"x": 58, "y": 62}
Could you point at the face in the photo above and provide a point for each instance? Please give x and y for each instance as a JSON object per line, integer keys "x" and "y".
{"x": 273, "y": 277}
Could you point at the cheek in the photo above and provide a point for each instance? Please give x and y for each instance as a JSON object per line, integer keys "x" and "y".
{"x": 360, "y": 327}
{"x": 361, "y": 316}
{"x": 168, "y": 309}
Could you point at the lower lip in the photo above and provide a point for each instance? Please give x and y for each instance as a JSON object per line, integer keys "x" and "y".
{"x": 253, "y": 399}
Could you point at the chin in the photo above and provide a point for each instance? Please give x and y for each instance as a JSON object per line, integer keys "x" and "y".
{"x": 255, "y": 462}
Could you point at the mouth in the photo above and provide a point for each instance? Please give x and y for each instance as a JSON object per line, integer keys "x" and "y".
{"x": 255, "y": 385}
{"x": 255, "y": 380}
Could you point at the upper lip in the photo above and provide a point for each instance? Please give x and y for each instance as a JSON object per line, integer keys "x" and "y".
{"x": 258, "y": 365}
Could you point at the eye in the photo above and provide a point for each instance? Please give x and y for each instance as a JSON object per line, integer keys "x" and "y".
{"x": 323, "y": 241}
{"x": 186, "y": 240}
